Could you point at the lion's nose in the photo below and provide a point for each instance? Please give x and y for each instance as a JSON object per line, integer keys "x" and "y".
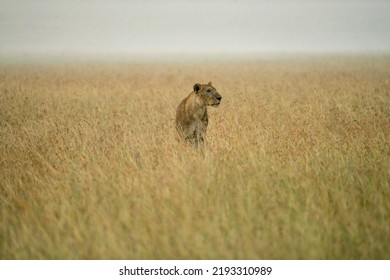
{"x": 219, "y": 98}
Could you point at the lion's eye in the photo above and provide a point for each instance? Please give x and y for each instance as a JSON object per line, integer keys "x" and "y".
{"x": 208, "y": 90}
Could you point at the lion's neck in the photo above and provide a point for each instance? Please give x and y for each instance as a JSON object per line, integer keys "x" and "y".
{"x": 197, "y": 106}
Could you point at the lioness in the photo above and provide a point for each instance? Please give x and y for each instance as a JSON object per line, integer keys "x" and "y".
{"x": 191, "y": 114}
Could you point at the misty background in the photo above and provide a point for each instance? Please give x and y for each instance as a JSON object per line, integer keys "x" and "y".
{"x": 29, "y": 27}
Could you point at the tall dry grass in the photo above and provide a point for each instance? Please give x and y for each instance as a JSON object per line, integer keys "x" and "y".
{"x": 296, "y": 164}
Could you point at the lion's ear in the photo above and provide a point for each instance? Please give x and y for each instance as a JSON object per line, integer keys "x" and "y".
{"x": 209, "y": 84}
{"x": 197, "y": 87}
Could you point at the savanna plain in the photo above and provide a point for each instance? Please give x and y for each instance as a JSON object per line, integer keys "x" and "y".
{"x": 296, "y": 163}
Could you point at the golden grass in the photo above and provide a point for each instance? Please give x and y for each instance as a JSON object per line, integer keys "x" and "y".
{"x": 296, "y": 164}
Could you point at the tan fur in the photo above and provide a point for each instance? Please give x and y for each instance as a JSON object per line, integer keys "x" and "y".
{"x": 191, "y": 114}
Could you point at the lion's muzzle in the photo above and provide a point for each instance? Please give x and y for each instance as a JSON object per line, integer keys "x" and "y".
{"x": 217, "y": 101}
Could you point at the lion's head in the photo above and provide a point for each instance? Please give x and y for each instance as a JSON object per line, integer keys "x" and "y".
{"x": 208, "y": 94}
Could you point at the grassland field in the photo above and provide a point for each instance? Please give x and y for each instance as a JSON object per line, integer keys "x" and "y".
{"x": 296, "y": 163}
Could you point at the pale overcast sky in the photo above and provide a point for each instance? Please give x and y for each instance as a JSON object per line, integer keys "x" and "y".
{"x": 152, "y": 26}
